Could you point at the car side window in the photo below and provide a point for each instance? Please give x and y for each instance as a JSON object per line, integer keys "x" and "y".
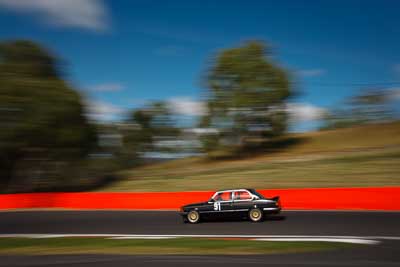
{"x": 223, "y": 196}
{"x": 242, "y": 195}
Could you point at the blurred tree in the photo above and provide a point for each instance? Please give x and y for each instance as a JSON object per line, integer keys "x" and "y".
{"x": 246, "y": 96}
{"x": 143, "y": 128}
{"x": 370, "y": 106}
{"x": 43, "y": 127}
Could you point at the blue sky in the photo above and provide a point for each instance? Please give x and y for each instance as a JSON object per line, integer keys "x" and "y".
{"x": 124, "y": 53}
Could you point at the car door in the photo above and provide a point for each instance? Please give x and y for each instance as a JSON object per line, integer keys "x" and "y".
{"x": 242, "y": 201}
{"x": 223, "y": 204}
{"x": 207, "y": 209}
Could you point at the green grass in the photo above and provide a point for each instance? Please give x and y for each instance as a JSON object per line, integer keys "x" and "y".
{"x": 355, "y": 157}
{"x": 378, "y": 169}
{"x": 80, "y": 245}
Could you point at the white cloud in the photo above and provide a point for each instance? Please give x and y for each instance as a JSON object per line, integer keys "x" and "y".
{"x": 201, "y": 131}
{"x": 311, "y": 72}
{"x": 187, "y": 106}
{"x": 107, "y": 87}
{"x": 300, "y": 112}
{"x": 103, "y": 111}
{"x": 87, "y": 14}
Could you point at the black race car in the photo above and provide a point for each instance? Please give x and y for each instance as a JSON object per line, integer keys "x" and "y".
{"x": 245, "y": 203}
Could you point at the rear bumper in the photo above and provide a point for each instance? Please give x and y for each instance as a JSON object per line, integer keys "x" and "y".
{"x": 274, "y": 210}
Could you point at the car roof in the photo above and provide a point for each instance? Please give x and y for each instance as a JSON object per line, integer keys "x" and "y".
{"x": 235, "y": 189}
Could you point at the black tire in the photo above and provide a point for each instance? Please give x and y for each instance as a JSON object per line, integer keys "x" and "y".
{"x": 193, "y": 216}
{"x": 255, "y": 215}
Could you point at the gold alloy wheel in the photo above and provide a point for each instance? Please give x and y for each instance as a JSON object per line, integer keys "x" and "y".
{"x": 193, "y": 216}
{"x": 255, "y": 215}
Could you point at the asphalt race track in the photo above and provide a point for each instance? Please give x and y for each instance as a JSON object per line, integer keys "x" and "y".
{"x": 365, "y": 224}
{"x": 168, "y": 222}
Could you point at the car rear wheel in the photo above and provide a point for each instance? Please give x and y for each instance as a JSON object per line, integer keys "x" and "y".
{"x": 193, "y": 216}
{"x": 255, "y": 215}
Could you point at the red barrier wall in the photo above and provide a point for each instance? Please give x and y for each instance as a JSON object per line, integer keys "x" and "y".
{"x": 381, "y": 198}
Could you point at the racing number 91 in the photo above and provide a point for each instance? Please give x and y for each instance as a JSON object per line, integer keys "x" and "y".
{"x": 217, "y": 206}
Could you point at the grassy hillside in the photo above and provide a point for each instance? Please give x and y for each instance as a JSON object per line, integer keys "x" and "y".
{"x": 359, "y": 156}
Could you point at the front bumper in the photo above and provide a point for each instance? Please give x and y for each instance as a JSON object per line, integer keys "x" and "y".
{"x": 183, "y": 213}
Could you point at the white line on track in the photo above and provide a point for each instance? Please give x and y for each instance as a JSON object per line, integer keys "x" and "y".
{"x": 143, "y": 237}
{"x": 304, "y": 238}
{"x": 340, "y": 240}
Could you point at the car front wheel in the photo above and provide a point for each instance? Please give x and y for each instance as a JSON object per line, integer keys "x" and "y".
{"x": 255, "y": 215}
{"x": 193, "y": 216}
